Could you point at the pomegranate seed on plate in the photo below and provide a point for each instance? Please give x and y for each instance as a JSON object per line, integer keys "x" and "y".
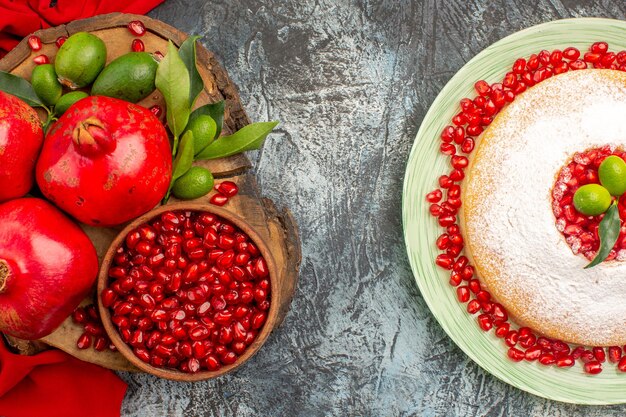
{"x": 515, "y": 354}
{"x": 593, "y": 367}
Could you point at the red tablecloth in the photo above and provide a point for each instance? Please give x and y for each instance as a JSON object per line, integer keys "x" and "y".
{"x": 18, "y": 18}
{"x": 55, "y": 384}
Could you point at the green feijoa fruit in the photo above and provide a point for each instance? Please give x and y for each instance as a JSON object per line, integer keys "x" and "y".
{"x": 203, "y": 128}
{"x": 612, "y": 174}
{"x": 195, "y": 183}
{"x": 80, "y": 59}
{"x": 45, "y": 84}
{"x": 67, "y": 100}
{"x": 592, "y": 199}
{"x": 129, "y": 77}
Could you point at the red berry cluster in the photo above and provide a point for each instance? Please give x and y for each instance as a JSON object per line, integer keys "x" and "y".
{"x": 580, "y": 231}
{"x": 188, "y": 290}
{"x": 94, "y": 333}
{"x": 457, "y": 142}
{"x": 35, "y": 44}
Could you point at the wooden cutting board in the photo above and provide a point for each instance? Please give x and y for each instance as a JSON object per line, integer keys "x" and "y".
{"x": 277, "y": 226}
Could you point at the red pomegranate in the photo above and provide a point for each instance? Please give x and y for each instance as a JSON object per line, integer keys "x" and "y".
{"x": 21, "y": 136}
{"x": 106, "y": 161}
{"x": 47, "y": 266}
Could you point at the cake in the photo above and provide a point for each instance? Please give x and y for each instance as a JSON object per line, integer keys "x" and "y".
{"x": 511, "y": 234}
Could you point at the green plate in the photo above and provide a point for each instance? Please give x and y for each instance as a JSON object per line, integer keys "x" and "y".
{"x": 421, "y": 230}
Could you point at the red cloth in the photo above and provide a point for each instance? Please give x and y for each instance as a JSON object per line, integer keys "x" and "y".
{"x": 55, "y": 384}
{"x": 18, "y": 18}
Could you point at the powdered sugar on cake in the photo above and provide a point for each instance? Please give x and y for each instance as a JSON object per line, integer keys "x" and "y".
{"x": 510, "y": 228}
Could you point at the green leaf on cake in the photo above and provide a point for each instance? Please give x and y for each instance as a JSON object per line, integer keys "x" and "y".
{"x": 609, "y": 232}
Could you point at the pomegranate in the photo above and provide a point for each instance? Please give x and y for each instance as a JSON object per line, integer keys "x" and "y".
{"x": 47, "y": 266}
{"x": 106, "y": 161}
{"x": 21, "y": 136}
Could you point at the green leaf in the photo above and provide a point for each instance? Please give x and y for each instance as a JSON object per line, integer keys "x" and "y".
{"x": 215, "y": 110}
{"x": 609, "y": 232}
{"x": 247, "y": 138}
{"x": 184, "y": 157}
{"x": 188, "y": 55}
{"x": 20, "y": 88}
{"x": 182, "y": 163}
{"x": 172, "y": 79}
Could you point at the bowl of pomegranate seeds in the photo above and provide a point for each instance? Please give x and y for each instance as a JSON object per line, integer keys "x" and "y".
{"x": 185, "y": 292}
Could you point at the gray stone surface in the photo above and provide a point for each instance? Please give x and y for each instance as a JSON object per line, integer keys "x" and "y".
{"x": 350, "y": 81}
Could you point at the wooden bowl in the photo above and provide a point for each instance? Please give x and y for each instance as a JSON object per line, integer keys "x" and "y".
{"x": 168, "y": 373}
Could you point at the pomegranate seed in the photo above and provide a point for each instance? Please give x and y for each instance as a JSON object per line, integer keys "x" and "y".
{"x": 485, "y": 322}
{"x": 218, "y": 199}
{"x": 467, "y": 146}
{"x": 593, "y": 367}
{"x": 587, "y": 356}
{"x": 516, "y": 355}
{"x": 137, "y": 28}
{"x": 227, "y": 188}
{"x": 447, "y": 149}
{"x": 137, "y": 45}
{"x": 94, "y": 329}
{"x": 463, "y": 294}
{"x": 578, "y": 65}
{"x": 482, "y": 88}
{"x": 556, "y": 57}
{"x": 79, "y": 316}
{"x": 258, "y": 320}
{"x": 599, "y": 47}
{"x": 599, "y": 354}
{"x": 571, "y": 53}
{"x": 34, "y": 42}
{"x": 519, "y": 66}
{"x": 499, "y": 313}
{"x": 459, "y": 162}
{"x": 100, "y": 344}
{"x": 565, "y": 361}
{"x": 446, "y": 220}
{"x": 483, "y": 296}
{"x": 547, "y": 359}
{"x": 60, "y": 41}
{"x": 434, "y": 196}
{"x": 473, "y": 307}
{"x": 532, "y": 353}
{"x": 502, "y": 329}
{"x": 84, "y": 341}
{"x": 622, "y": 364}
{"x": 511, "y": 338}
{"x": 592, "y": 57}
{"x": 615, "y": 354}
{"x": 41, "y": 59}
{"x": 467, "y": 273}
